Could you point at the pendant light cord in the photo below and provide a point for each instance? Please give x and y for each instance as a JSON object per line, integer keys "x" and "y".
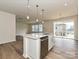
{"x": 27, "y": 8}
{"x": 42, "y": 13}
{"x": 37, "y": 10}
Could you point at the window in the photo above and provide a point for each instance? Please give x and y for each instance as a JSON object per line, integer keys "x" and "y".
{"x": 37, "y": 28}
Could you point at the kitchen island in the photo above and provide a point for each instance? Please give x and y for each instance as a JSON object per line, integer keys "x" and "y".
{"x": 35, "y": 45}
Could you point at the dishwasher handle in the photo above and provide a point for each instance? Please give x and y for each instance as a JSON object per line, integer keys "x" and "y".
{"x": 43, "y": 39}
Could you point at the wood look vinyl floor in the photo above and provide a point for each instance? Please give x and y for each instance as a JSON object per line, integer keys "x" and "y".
{"x": 64, "y": 49}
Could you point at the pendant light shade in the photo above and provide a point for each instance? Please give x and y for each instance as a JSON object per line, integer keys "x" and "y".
{"x": 37, "y": 20}
{"x": 42, "y": 21}
{"x": 28, "y": 17}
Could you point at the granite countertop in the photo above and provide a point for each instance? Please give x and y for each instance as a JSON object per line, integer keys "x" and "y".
{"x": 35, "y": 36}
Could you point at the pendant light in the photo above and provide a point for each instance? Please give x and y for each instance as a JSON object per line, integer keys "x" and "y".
{"x": 28, "y": 9}
{"x": 37, "y": 6}
{"x": 42, "y": 15}
{"x": 42, "y": 21}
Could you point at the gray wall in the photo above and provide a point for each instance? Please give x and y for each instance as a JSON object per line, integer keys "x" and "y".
{"x": 21, "y": 28}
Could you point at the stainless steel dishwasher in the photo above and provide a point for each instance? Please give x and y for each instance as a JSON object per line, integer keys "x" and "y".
{"x": 44, "y": 47}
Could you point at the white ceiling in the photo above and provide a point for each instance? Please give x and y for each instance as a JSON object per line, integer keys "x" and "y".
{"x": 53, "y": 8}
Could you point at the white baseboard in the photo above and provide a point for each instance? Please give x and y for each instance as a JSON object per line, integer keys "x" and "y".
{"x": 3, "y": 42}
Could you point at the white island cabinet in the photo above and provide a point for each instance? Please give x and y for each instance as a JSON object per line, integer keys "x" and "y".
{"x": 32, "y": 45}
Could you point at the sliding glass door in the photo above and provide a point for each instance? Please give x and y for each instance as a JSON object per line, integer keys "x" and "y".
{"x": 64, "y": 29}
